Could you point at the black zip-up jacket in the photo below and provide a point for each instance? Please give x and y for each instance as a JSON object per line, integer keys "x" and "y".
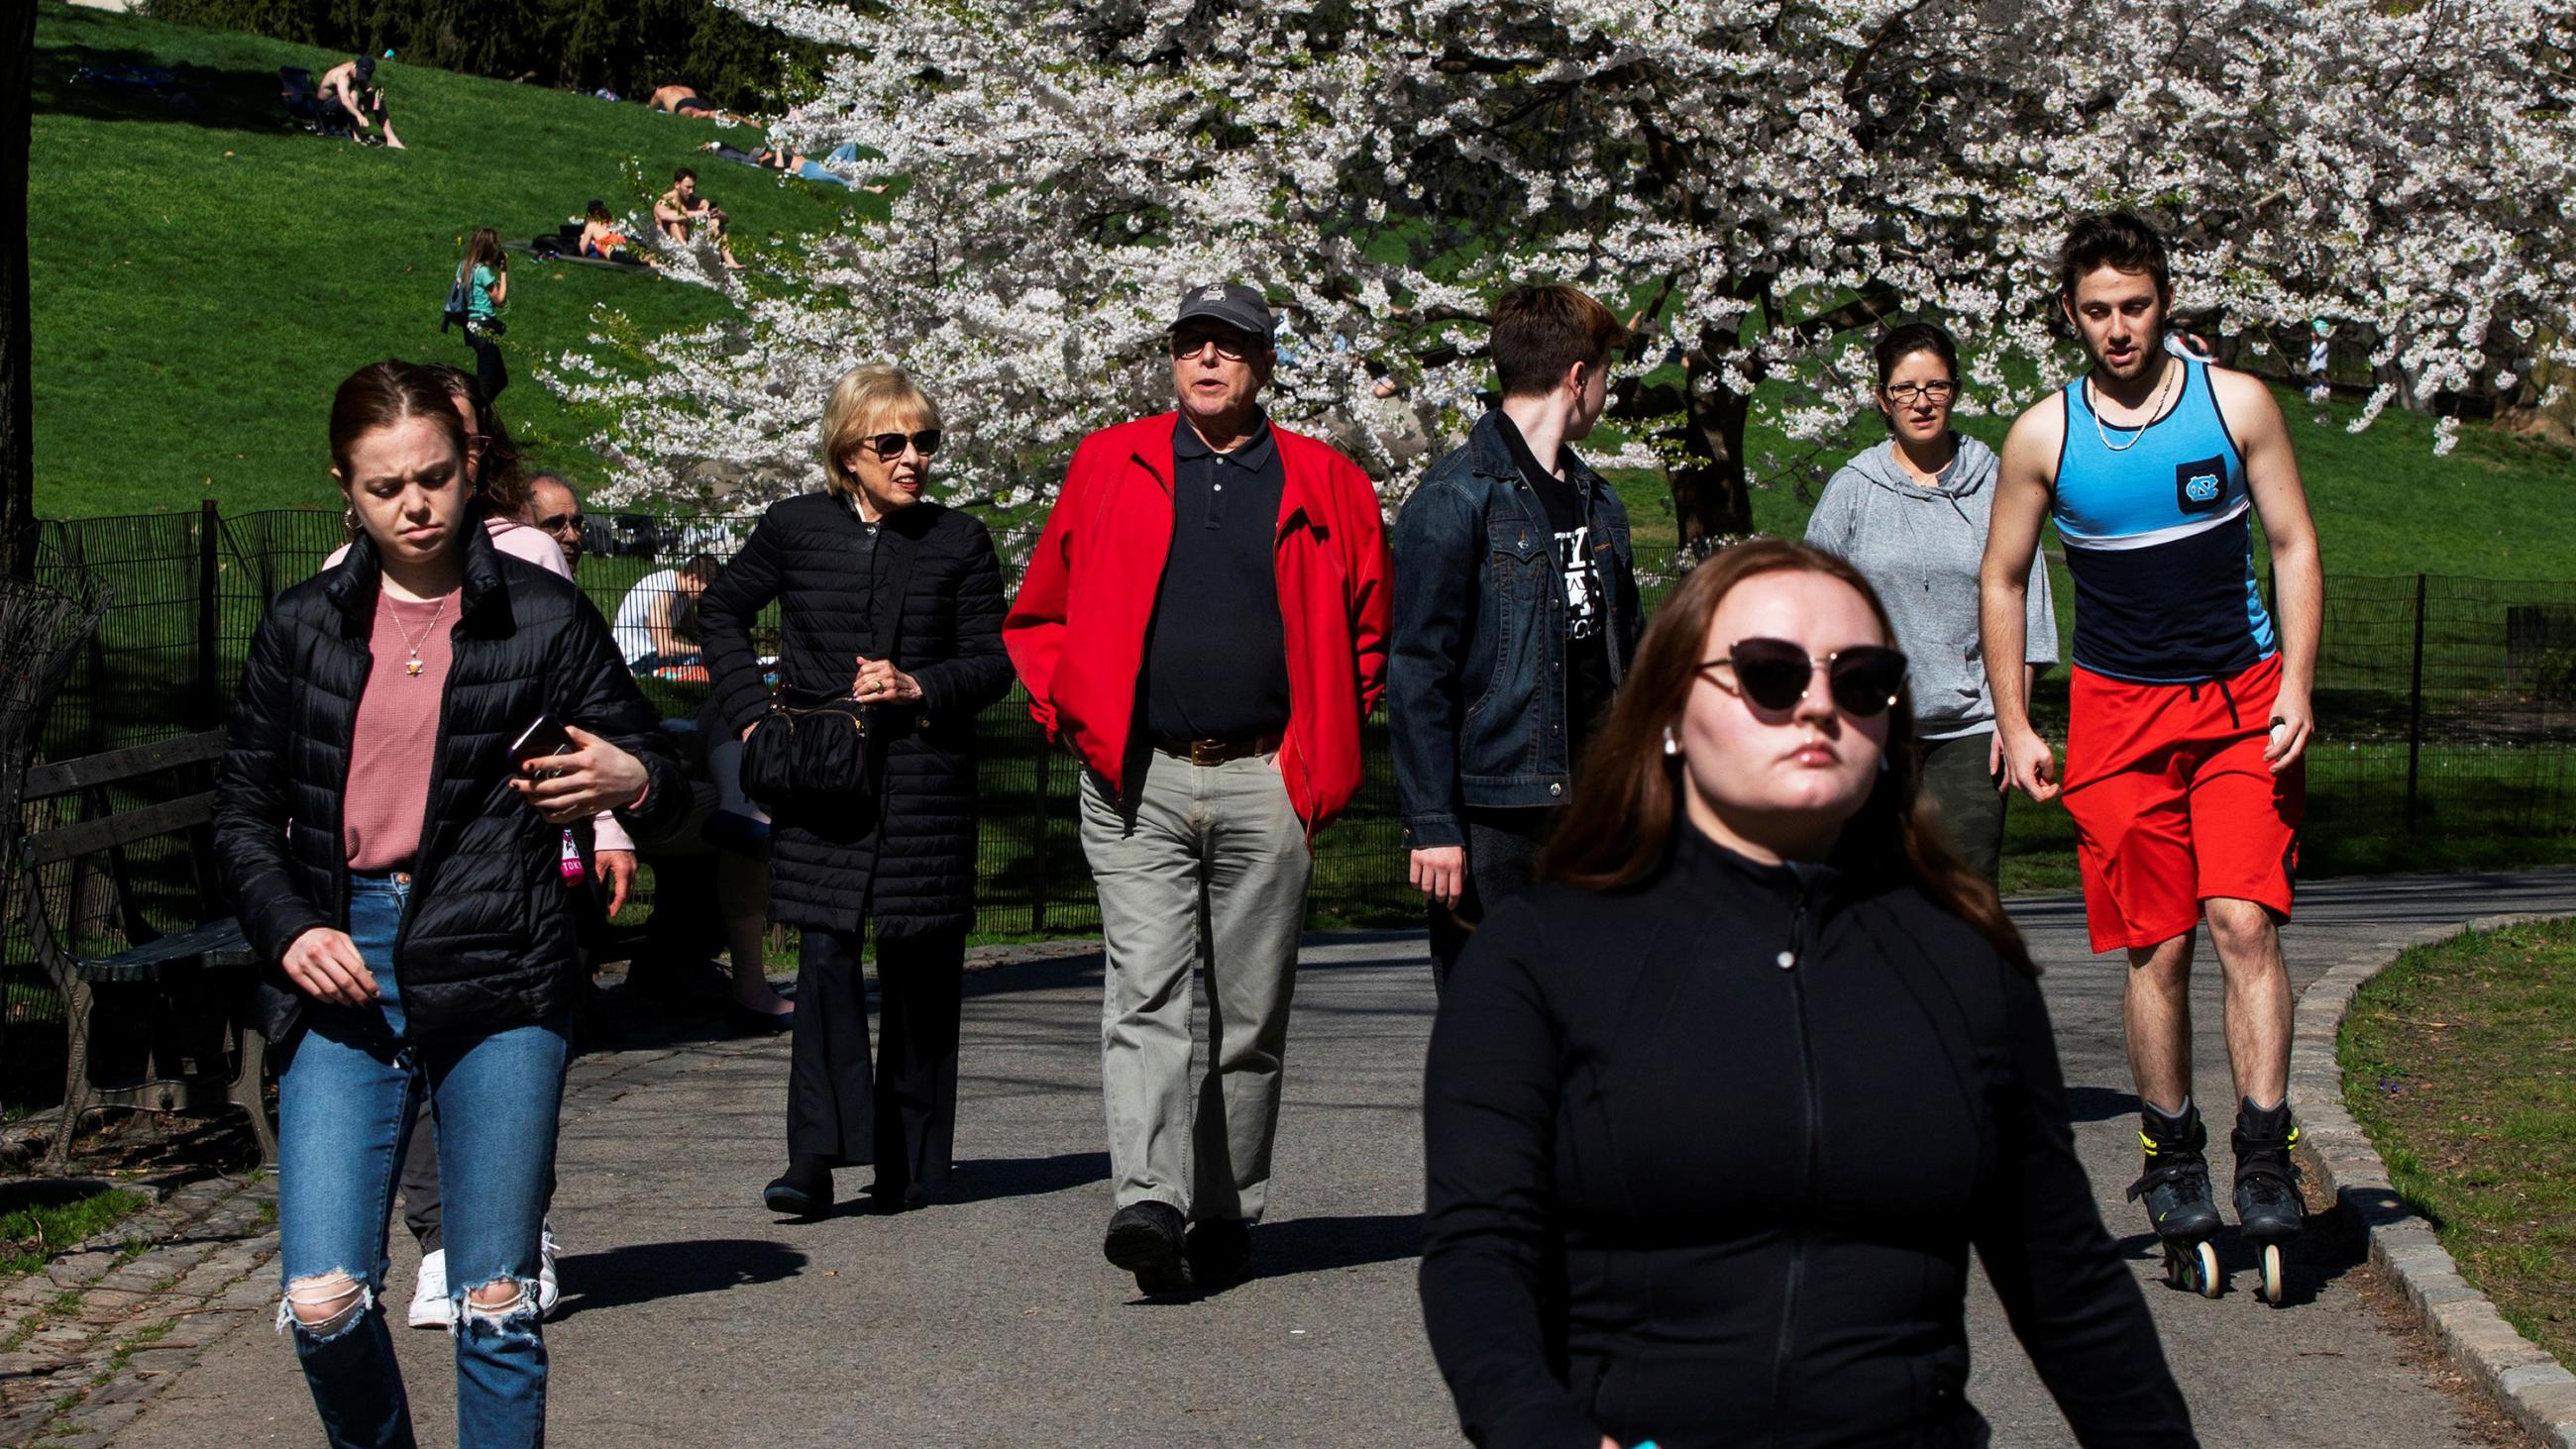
{"x": 1706, "y": 1157}
{"x": 930, "y": 598}
{"x": 489, "y": 940}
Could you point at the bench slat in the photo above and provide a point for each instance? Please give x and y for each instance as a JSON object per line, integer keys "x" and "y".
{"x": 217, "y": 943}
{"x": 62, "y": 777}
{"x": 125, "y": 827}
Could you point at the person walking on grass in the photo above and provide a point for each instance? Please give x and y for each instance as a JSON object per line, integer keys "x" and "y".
{"x": 2188, "y": 713}
{"x": 487, "y": 292}
{"x": 1911, "y": 515}
{"x": 1204, "y": 623}
{"x": 396, "y": 869}
{"x": 1515, "y": 613}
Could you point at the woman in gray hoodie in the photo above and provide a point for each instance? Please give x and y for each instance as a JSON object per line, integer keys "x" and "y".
{"x": 1911, "y": 515}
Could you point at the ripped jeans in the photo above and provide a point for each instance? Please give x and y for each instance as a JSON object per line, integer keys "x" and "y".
{"x": 345, "y": 1104}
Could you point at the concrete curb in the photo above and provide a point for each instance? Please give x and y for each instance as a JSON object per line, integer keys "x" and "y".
{"x": 2534, "y": 1389}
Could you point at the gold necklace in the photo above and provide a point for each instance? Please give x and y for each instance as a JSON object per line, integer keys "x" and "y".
{"x": 412, "y": 666}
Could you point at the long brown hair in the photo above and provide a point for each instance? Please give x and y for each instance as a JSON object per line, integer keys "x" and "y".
{"x": 1619, "y": 827}
{"x": 380, "y": 395}
{"x": 499, "y": 479}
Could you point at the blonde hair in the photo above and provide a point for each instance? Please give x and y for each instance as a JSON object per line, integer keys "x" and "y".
{"x": 876, "y": 398}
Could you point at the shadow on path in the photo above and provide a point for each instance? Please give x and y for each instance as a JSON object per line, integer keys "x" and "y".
{"x": 647, "y": 1272}
{"x": 1319, "y": 1245}
{"x": 2100, "y": 1104}
{"x": 1000, "y": 1177}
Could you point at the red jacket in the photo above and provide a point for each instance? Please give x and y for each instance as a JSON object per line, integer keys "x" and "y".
{"x": 1077, "y": 630}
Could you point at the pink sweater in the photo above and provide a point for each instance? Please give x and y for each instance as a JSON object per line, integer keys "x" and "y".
{"x": 517, "y": 540}
{"x": 397, "y": 733}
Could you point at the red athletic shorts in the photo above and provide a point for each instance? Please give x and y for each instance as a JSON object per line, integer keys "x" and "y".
{"x": 2174, "y": 804}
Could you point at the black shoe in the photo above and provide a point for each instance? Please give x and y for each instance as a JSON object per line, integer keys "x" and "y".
{"x": 1145, "y": 1239}
{"x": 889, "y": 1200}
{"x": 803, "y": 1191}
{"x": 1220, "y": 1253}
{"x": 743, "y": 1021}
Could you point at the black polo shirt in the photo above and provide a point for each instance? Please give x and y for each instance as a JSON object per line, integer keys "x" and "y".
{"x": 1216, "y": 653}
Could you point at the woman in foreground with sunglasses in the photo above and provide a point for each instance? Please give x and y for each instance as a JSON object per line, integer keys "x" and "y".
{"x": 1911, "y": 515}
{"x": 1715, "y": 1113}
{"x": 892, "y": 606}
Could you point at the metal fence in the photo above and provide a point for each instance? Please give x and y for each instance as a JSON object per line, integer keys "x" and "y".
{"x": 2445, "y": 704}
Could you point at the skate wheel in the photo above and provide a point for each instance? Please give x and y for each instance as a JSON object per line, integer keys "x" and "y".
{"x": 2204, "y": 1261}
{"x": 2272, "y": 1274}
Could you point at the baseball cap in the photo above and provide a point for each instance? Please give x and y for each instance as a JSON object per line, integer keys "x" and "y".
{"x": 1233, "y": 304}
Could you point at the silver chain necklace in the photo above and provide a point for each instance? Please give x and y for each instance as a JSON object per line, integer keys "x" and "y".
{"x": 413, "y": 666}
{"x": 2155, "y": 408}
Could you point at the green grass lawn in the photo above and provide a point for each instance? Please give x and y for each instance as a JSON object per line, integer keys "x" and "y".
{"x": 204, "y": 276}
{"x": 31, "y": 1235}
{"x": 2457, "y": 1062}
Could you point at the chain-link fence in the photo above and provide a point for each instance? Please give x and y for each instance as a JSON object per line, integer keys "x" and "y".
{"x": 2444, "y": 704}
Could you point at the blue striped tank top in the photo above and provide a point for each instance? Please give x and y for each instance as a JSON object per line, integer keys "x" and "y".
{"x": 2158, "y": 538}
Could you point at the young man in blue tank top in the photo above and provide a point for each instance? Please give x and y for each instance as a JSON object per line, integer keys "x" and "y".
{"x": 2188, "y": 705}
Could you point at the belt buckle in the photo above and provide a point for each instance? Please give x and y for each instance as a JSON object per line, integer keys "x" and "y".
{"x": 1207, "y": 753}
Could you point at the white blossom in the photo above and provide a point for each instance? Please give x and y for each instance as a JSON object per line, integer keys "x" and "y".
{"x": 1774, "y": 177}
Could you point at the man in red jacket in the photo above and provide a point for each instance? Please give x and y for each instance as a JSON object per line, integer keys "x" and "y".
{"x": 1204, "y": 623}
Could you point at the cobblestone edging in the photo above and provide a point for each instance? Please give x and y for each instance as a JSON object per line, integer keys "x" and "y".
{"x": 2534, "y": 1389}
{"x": 86, "y": 1342}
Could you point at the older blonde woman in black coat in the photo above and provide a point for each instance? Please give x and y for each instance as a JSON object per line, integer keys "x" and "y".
{"x": 895, "y": 602}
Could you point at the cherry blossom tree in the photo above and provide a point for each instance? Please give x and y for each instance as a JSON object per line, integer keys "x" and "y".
{"x": 1760, "y": 183}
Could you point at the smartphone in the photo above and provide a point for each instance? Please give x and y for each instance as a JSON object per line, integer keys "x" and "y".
{"x": 545, "y": 736}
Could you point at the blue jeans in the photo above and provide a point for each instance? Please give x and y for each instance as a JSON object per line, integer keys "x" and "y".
{"x": 344, "y": 1107}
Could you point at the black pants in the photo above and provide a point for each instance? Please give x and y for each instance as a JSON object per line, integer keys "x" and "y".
{"x": 490, "y": 373}
{"x": 1502, "y": 848}
{"x": 906, "y": 1120}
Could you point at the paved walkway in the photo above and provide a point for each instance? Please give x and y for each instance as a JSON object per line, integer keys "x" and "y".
{"x": 693, "y": 1317}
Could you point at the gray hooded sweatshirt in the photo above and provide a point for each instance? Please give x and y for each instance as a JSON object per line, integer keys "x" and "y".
{"x": 1921, "y": 549}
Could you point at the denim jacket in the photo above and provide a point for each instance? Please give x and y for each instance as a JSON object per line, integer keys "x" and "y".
{"x": 1476, "y": 680}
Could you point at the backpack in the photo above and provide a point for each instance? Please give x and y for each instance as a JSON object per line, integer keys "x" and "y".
{"x": 455, "y": 316}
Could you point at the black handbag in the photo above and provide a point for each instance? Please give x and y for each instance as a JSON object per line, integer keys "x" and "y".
{"x": 807, "y": 748}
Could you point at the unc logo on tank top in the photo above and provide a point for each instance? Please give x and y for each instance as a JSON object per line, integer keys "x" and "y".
{"x": 2202, "y": 486}
{"x": 2165, "y": 589}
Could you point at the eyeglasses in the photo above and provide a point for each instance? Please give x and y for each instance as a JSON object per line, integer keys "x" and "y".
{"x": 562, "y": 522}
{"x": 890, "y": 446}
{"x": 1231, "y": 345}
{"x": 1774, "y": 674}
{"x": 1902, "y": 393}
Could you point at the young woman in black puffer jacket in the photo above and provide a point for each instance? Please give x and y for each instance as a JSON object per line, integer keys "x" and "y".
{"x": 896, "y": 603}
{"x": 1715, "y": 1114}
{"x": 401, "y": 873}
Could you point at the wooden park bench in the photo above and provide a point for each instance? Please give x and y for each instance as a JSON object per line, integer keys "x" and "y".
{"x": 187, "y": 994}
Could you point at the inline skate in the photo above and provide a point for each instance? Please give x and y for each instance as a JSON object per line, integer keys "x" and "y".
{"x": 2269, "y": 1210}
{"x": 2177, "y": 1194}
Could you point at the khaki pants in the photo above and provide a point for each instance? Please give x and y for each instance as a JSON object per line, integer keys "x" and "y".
{"x": 1208, "y": 870}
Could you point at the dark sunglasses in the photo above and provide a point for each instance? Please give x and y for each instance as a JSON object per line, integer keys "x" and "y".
{"x": 1230, "y": 345}
{"x": 1774, "y": 674}
{"x": 890, "y": 446}
{"x": 558, "y": 522}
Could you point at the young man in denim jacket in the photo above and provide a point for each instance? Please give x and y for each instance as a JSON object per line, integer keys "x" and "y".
{"x": 1515, "y": 614}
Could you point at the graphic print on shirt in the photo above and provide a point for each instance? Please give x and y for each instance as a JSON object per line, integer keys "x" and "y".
{"x": 1583, "y": 607}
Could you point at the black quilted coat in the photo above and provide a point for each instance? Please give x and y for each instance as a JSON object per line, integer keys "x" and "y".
{"x": 930, "y": 598}
{"x": 489, "y": 940}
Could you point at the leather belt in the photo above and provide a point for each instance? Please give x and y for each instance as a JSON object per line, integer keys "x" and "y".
{"x": 1218, "y": 752}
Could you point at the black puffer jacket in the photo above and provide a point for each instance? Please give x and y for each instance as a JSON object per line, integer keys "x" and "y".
{"x": 489, "y": 940}
{"x": 930, "y": 598}
{"x": 1706, "y": 1157}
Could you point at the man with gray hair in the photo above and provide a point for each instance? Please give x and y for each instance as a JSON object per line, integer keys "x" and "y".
{"x": 1204, "y": 625}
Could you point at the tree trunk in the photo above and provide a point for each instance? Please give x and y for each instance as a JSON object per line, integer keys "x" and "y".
{"x": 17, "y": 352}
{"x": 1711, "y": 496}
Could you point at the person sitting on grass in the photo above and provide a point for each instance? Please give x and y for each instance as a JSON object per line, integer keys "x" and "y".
{"x": 349, "y": 89}
{"x": 678, "y": 210}
{"x": 601, "y": 239}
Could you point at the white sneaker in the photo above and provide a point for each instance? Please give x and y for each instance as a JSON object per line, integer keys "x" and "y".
{"x": 547, "y": 1292}
{"x": 430, "y": 1307}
